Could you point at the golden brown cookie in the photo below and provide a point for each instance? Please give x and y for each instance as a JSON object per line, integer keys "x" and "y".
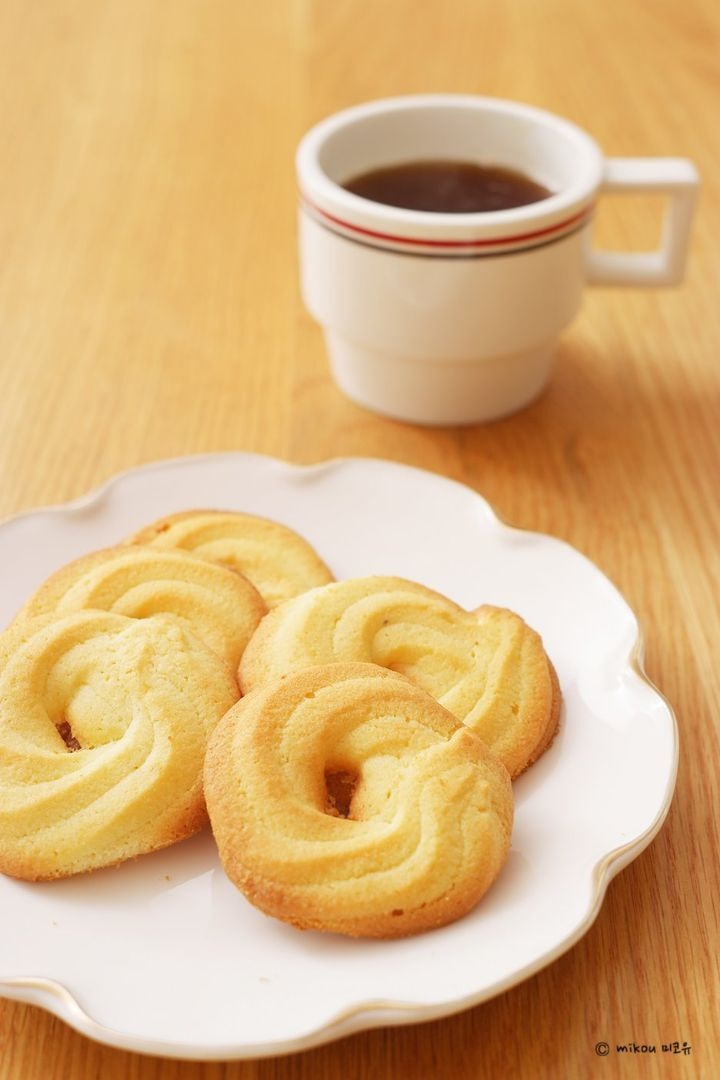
{"x": 344, "y": 798}
{"x": 488, "y": 667}
{"x": 221, "y": 607}
{"x": 104, "y": 723}
{"x": 278, "y": 562}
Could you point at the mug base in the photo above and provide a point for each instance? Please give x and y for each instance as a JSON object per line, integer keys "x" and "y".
{"x": 438, "y": 392}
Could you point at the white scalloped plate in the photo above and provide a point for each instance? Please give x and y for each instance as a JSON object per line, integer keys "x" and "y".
{"x": 164, "y": 956}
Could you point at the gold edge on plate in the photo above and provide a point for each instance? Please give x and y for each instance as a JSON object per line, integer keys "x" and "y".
{"x": 403, "y": 1012}
{"x": 70, "y": 1011}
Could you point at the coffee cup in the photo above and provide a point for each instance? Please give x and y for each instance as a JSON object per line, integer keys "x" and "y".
{"x": 453, "y": 318}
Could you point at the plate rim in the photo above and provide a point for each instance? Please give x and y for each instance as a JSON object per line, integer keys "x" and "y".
{"x": 371, "y": 1013}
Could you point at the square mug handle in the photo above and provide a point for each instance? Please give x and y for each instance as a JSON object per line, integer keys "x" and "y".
{"x": 679, "y": 179}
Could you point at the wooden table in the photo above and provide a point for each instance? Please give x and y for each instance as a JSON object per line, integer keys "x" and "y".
{"x": 149, "y": 307}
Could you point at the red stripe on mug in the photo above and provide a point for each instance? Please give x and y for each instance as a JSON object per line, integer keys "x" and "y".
{"x": 495, "y": 242}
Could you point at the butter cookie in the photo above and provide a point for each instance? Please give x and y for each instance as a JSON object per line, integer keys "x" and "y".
{"x": 104, "y": 722}
{"x": 221, "y": 607}
{"x": 279, "y": 562}
{"x": 344, "y": 798}
{"x": 488, "y": 667}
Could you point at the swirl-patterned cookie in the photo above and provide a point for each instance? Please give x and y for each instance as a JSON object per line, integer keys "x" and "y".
{"x": 278, "y": 562}
{"x": 221, "y": 607}
{"x": 104, "y": 723}
{"x": 488, "y": 667}
{"x": 344, "y": 798}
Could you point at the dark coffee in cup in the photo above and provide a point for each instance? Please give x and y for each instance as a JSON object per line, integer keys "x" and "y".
{"x": 447, "y": 187}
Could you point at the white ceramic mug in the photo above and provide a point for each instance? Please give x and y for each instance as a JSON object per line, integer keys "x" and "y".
{"x": 453, "y": 318}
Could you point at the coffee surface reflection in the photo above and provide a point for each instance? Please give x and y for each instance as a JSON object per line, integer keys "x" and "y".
{"x": 447, "y": 187}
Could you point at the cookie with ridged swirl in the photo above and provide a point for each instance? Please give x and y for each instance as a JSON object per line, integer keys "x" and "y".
{"x": 488, "y": 667}
{"x": 344, "y": 798}
{"x": 220, "y": 606}
{"x": 104, "y": 722}
{"x": 279, "y": 562}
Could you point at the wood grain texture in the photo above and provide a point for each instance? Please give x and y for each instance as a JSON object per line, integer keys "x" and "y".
{"x": 149, "y": 307}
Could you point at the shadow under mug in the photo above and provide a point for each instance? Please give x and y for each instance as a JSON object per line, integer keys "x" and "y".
{"x": 441, "y": 318}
